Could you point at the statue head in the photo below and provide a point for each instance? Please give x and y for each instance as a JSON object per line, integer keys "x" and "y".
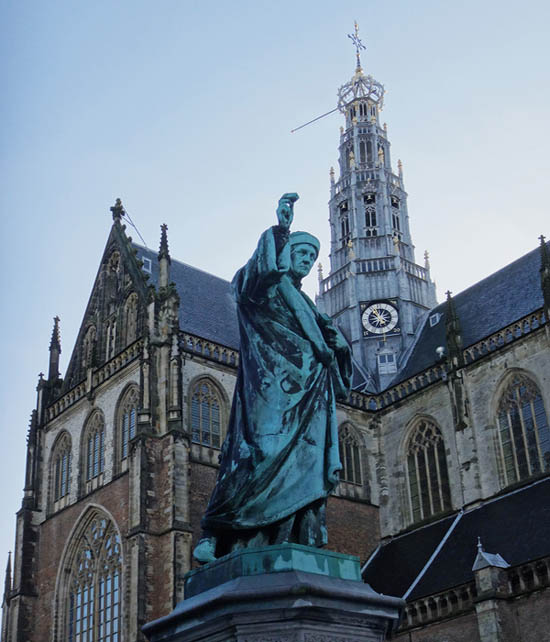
{"x": 304, "y": 250}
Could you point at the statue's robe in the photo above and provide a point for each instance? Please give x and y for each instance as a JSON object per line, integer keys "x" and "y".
{"x": 281, "y": 450}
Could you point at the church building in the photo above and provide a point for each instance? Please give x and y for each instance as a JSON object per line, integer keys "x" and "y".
{"x": 444, "y": 439}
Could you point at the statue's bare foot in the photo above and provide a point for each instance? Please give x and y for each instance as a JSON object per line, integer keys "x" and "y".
{"x": 205, "y": 551}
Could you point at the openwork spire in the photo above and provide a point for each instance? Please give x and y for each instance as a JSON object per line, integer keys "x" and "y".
{"x": 360, "y": 86}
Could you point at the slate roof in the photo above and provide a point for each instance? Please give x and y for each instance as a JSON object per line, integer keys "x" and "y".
{"x": 484, "y": 308}
{"x": 516, "y": 525}
{"x": 207, "y": 308}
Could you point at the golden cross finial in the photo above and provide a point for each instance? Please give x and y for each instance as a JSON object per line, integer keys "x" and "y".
{"x": 357, "y": 44}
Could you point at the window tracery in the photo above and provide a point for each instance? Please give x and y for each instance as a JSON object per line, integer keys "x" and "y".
{"x": 130, "y": 318}
{"x": 127, "y": 420}
{"x": 94, "y": 587}
{"x": 206, "y": 405}
{"x": 88, "y": 345}
{"x": 523, "y": 431}
{"x": 94, "y": 451}
{"x": 110, "y": 338}
{"x": 61, "y": 471}
{"x": 427, "y": 473}
{"x": 350, "y": 455}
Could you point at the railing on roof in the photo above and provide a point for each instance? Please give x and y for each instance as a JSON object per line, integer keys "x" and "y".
{"x": 208, "y": 349}
{"x": 334, "y": 279}
{"x": 506, "y": 335}
{"x": 103, "y": 373}
{"x": 450, "y": 603}
{"x": 414, "y": 269}
{"x": 521, "y": 579}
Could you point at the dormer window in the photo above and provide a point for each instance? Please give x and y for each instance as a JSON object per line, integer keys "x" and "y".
{"x": 147, "y": 265}
{"x": 387, "y": 363}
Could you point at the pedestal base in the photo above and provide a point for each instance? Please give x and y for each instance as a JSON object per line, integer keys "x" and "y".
{"x": 299, "y": 597}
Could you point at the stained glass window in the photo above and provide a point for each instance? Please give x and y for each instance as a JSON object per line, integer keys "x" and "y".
{"x": 523, "y": 432}
{"x": 350, "y": 455}
{"x": 93, "y": 609}
{"x": 428, "y": 477}
{"x": 206, "y": 414}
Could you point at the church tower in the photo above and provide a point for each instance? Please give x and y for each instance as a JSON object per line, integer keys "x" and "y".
{"x": 375, "y": 290}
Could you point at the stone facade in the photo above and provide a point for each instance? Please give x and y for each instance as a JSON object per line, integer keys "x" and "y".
{"x": 123, "y": 450}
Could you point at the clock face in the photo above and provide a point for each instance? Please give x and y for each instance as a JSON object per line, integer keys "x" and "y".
{"x": 379, "y": 318}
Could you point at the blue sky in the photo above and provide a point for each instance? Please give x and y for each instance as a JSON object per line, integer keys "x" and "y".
{"x": 184, "y": 110}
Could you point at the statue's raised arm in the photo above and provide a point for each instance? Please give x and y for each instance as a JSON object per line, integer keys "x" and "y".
{"x": 280, "y": 460}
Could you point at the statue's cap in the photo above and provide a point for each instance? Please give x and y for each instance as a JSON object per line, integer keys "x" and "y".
{"x": 304, "y": 237}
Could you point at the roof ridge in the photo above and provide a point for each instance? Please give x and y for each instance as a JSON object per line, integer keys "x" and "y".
{"x": 489, "y": 276}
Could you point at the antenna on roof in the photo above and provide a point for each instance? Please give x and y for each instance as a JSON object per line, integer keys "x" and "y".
{"x": 127, "y": 216}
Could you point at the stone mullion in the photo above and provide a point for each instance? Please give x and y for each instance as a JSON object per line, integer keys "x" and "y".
{"x": 428, "y": 480}
{"x": 501, "y": 450}
{"x": 523, "y": 435}
{"x": 439, "y": 482}
{"x": 537, "y": 437}
{"x": 416, "y": 469}
{"x": 512, "y": 444}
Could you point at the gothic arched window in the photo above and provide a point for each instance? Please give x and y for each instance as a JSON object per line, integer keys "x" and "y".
{"x": 110, "y": 338}
{"x": 428, "y": 477}
{"x": 130, "y": 318}
{"x": 523, "y": 432}
{"x": 88, "y": 346}
{"x": 94, "y": 588}
{"x": 60, "y": 471}
{"x": 127, "y": 420}
{"x": 206, "y": 414}
{"x": 94, "y": 451}
{"x": 350, "y": 455}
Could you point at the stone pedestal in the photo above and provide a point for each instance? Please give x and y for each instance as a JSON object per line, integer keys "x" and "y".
{"x": 285, "y": 593}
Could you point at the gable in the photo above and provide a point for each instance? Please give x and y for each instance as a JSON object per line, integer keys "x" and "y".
{"x": 115, "y": 314}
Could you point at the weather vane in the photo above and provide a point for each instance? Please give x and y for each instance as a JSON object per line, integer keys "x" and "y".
{"x": 357, "y": 44}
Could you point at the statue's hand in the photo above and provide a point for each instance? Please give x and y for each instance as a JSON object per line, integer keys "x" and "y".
{"x": 285, "y": 209}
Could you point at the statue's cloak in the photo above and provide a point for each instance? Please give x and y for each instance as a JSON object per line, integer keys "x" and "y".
{"x": 281, "y": 449}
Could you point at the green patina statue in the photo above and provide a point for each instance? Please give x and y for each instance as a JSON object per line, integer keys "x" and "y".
{"x": 280, "y": 459}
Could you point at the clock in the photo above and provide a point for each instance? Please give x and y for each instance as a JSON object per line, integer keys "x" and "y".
{"x": 380, "y": 318}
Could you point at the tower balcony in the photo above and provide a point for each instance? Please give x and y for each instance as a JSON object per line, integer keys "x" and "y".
{"x": 371, "y": 266}
{"x": 365, "y": 173}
